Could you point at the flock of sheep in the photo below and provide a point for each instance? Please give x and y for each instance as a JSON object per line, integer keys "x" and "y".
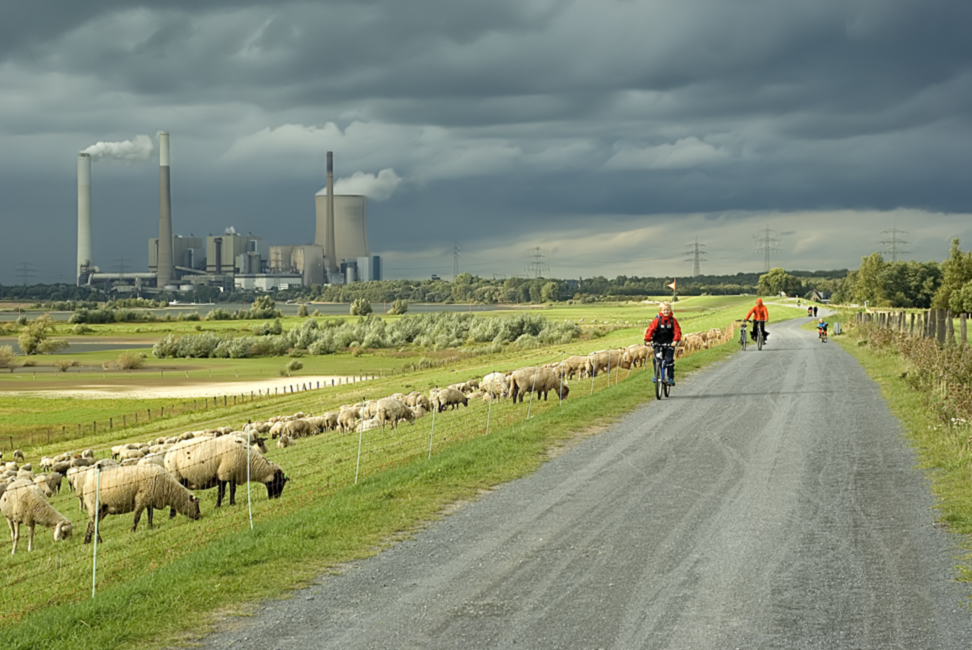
{"x": 162, "y": 473}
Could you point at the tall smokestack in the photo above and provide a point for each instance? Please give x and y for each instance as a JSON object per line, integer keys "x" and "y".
{"x": 84, "y": 213}
{"x": 165, "y": 214}
{"x": 331, "y": 251}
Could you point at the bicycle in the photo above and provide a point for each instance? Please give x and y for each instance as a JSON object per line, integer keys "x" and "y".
{"x": 759, "y": 338}
{"x": 662, "y": 376}
{"x": 822, "y": 334}
{"x": 742, "y": 334}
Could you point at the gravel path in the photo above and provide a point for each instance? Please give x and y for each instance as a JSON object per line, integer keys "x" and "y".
{"x": 771, "y": 502}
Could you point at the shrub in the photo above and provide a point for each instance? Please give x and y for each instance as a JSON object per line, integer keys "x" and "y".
{"x": 398, "y": 307}
{"x": 360, "y": 307}
{"x": 130, "y": 361}
{"x": 63, "y": 364}
{"x": 302, "y": 311}
{"x": 81, "y": 328}
{"x": 7, "y": 357}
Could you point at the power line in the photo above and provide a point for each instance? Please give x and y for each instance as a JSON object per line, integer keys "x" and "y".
{"x": 894, "y": 243}
{"x": 538, "y": 266}
{"x": 766, "y": 243}
{"x": 697, "y": 256}
{"x": 455, "y": 261}
{"x": 25, "y": 271}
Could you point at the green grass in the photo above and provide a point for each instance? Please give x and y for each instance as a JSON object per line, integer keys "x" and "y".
{"x": 945, "y": 449}
{"x": 182, "y": 573}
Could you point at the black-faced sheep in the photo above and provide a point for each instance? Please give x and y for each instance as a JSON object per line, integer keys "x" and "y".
{"x": 201, "y": 464}
{"x": 538, "y": 380}
{"x": 133, "y": 489}
{"x": 24, "y": 503}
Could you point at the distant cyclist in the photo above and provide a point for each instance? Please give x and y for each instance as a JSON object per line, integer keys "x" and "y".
{"x": 822, "y": 326}
{"x": 759, "y": 315}
{"x": 664, "y": 330}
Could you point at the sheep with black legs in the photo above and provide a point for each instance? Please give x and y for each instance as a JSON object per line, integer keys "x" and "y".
{"x": 134, "y": 488}
{"x": 200, "y": 464}
{"x": 23, "y": 502}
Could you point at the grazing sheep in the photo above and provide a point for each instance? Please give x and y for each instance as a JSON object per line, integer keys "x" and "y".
{"x": 495, "y": 384}
{"x": 207, "y": 463}
{"x": 24, "y": 503}
{"x": 417, "y": 411}
{"x": 284, "y": 441}
{"x": 393, "y": 411}
{"x": 367, "y": 425}
{"x": 448, "y": 397}
{"x": 575, "y": 365}
{"x": 639, "y": 354}
{"x": 18, "y": 455}
{"x": 41, "y": 482}
{"x": 538, "y": 380}
{"x": 133, "y": 489}
{"x": 347, "y": 419}
{"x": 604, "y": 360}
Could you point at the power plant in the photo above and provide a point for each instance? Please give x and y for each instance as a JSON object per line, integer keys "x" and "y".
{"x": 230, "y": 261}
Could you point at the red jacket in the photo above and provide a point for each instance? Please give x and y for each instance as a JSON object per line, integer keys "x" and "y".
{"x": 661, "y": 328}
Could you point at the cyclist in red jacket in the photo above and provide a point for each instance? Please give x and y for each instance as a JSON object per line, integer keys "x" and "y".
{"x": 664, "y": 329}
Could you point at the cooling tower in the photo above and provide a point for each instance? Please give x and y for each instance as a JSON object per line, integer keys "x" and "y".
{"x": 84, "y": 214}
{"x": 350, "y": 226}
{"x": 165, "y": 214}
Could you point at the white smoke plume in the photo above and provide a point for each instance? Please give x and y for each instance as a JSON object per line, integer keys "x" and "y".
{"x": 138, "y": 149}
{"x": 378, "y": 187}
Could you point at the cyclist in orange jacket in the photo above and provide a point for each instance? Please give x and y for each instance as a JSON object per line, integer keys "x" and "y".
{"x": 760, "y": 315}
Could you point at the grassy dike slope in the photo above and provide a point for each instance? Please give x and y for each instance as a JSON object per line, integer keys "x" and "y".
{"x": 182, "y": 599}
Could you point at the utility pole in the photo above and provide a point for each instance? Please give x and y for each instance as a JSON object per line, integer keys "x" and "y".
{"x": 696, "y": 255}
{"x": 455, "y": 261}
{"x": 538, "y": 266}
{"x": 766, "y": 243}
{"x": 894, "y": 243}
{"x": 25, "y": 271}
{"x": 121, "y": 264}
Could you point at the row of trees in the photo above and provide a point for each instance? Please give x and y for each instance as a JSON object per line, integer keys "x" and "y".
{"x": 922, "y": 285}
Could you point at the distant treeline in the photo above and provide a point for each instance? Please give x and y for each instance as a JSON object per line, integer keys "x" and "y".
{"x": 465, "y": 288}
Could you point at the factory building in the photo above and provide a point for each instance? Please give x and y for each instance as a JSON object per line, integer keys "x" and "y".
{"x": 338, "y": 255}
{"x": 188, "y": 255}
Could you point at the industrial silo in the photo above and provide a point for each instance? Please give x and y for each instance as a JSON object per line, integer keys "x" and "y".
{"x": 350, "y": 225}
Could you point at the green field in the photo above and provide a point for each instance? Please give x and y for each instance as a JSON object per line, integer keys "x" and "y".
{"x": 192, "y": 570}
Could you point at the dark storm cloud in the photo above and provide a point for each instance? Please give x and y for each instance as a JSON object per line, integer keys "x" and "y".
{"x": 520, "y": 120}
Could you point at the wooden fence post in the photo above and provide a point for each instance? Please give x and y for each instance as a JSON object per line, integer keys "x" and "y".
{"x": 963, "y": 328}
{"x": 941, "y": 325}
{"x": 949, "y": 327}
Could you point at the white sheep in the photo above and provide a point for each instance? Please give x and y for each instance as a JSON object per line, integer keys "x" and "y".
{"x": 538, "y": 380}
{"x": 18, "y": 455}
{"x": 200, "y": 464}
{"x": 24, "y": 503}
{"x": 284, "y": 441}
{"x": 133, "y": 489}
{"x": 391, "y": 410}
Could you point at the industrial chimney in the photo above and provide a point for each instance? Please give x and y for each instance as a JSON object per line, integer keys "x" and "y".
{"x": 84, "y": 215}
{"x": 331, "y": 251}
{"x": 165, "y": 215}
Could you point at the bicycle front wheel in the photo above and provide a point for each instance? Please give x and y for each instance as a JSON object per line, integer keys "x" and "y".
{"x": 658, "y": 380}
{"x": 759, "y": 340}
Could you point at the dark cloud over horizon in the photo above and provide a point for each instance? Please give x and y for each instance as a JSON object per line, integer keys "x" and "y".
{"x": 608, "y": 133}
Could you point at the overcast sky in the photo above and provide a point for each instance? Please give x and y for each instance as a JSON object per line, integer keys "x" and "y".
{"x": 608, "y": 134}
